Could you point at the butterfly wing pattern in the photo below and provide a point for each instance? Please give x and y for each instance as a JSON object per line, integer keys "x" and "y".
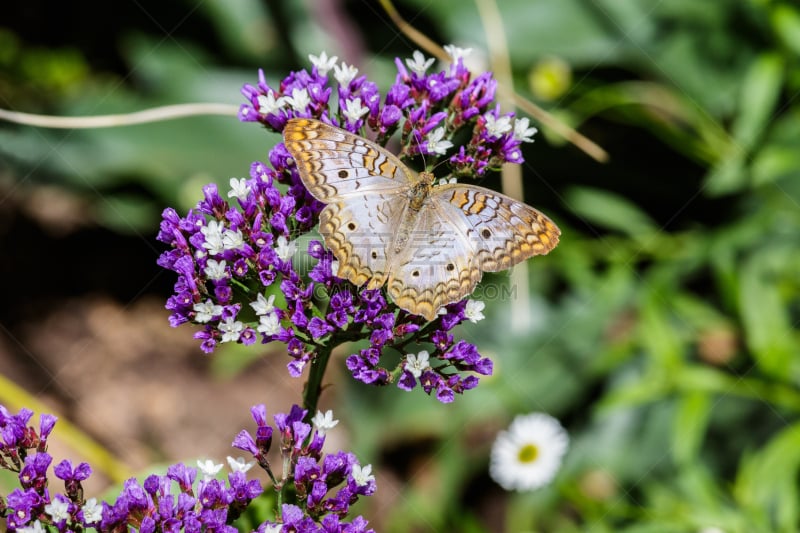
{"x": 430, "y": 252}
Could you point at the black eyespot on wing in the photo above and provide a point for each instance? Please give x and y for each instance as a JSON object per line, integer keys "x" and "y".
{"x": 415, "y": 273}
{"x": 485, "y": 233}
{"x": 450, "y": 267}
{"x": 374, "y": 254}
{"x": 351, "y": 226}
{"x": 343, "y": 174}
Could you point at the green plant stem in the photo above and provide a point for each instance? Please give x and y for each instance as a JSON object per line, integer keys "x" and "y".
{"x": 316, "y": 372}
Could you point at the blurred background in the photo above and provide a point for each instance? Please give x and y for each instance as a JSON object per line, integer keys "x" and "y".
{"x": 663, "y": 329}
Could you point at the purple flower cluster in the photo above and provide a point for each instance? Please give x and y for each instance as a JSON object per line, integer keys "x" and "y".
{"x": 325, "y": 485}
{"x": 238, "y": 276}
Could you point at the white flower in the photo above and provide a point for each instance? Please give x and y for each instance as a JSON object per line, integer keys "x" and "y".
{"x": 528, "y": 454}
{"x": 344, "y": 74}
{"x": 231, "y": 330}
{"x": 335, "y": 268}
{"x": 35, "y": 528}
{"x": 474, "y": 310}
{"x": 262, "y": 306}
{"x": 268, "y": 104}
{"x": 456, "y": 53}
{"x": 208, "y": 468}
{"x": 58, "y": 510}
{"x": 206, "y": 311}
{"x": 299, "y": 99}
{"x": 239, "y": 464}
{"x": 418, "y": 63}
{"x": 239, "y": 188}
{"x": 362, "y": 476}
{"x": 269, "y": 324}
{"x": 285, "y": 249}
{"x": 497, "y": 127}
{"x": 215, "y": 270}
{"x": 419, "y": 363}
{"x": 324, "y": 422}
{"x": 436, "y": 144}
{"x": 322, "y": 62}
{"x": 354, "y": 110}
{"x": 232, "y": 240}
{"x": 213, "y": 237}
{"x": 447, "y": 181}
{"x": 523, "y": 131}
{"x": 273, "y": 528}
{"x": 91, "y": 511}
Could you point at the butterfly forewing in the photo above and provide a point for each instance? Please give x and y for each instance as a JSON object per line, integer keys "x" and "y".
{"x": 334, "y": 163}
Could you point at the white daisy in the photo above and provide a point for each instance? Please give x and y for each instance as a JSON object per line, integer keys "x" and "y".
{"x": 436, "y": 144}
{"x": 268, "y": 104}
{"x": 299, "y": 99}
{"x": 344, "y": 73}
{"x": 239, "y": 188}
{"x": 208, "y": 468}
{"x": 263, "y": 306}
{"x": 362, "y": 476}
{"x": 232, "y": 240}
{"x": 528, "y": 454}
{"x": 231, "y": 330}
{"x": 322, "y": 62}
{"x": 239, "y": 464}
{"x": 285, "y": 248}
{"x": 213, "y": 237}
{"x": 419, "y": 363}
{"x": 335, "y": 268}
{"x": 215, "y": 270}
{"x": 324, "y": 422}
{"x": 474, "y": 310}
{"x": 92, "y": 512}
{"x": 418, "y": 63}
{"x": 523, "y": 131}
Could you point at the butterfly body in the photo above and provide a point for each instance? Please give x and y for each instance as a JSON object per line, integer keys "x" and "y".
{"x": 387, "y": 224}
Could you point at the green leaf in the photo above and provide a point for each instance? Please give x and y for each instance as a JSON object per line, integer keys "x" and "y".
{"x": 689, "y": 426}
{"x": 610, "y": 211}
{"x": 786, "y": 23}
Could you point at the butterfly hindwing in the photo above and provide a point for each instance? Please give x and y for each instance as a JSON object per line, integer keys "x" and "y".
{"x": 358, "y": 230}
{"x": 503, "y": 231}
{"x": 334, "y": 163}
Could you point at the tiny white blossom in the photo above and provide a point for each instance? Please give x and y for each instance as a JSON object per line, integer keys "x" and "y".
{"x": 335, "y": 268}
{"x": 231, "y": 330}
{"x": 418, "y": 363}
{"x": 232, "y": 240}
{"x": 239, "y": 464}
{"x": 239, "y": 188}
{"x": 206, "y": 311}
{"x": 269, "y": 324}
{"x": 528, "y": 455}
{"x": 208, "y": 468}
{"x": 436, "y": 144}
{"x": 213, "y": 237}
{"x": 322, "y": 62}
{"x": 92, "y": 512}
{"x": 273, "y": 528}
{"x": 344, "y": 73}
{"x": 362, "y": 475}
{"x": 268, "y": 104}
{"x": 215, "y": 270}
{"x": 523, "y": 131}
{"x": 262, "y": 306}
{"x": 58, "y": 510}
{"x": 299, "y": 99}
{"x": 456, "y": 52}
{"x": 35, "y": 528}
{"x": 474, "y": 310}
{"x": 447, "y": 181}
{"x": 354, "y": 110}
{"x": 497, "y": 127}
{"x": 324, "y": 422}
{"x": 285, "y": 248}
{"x": 418, "y": 63}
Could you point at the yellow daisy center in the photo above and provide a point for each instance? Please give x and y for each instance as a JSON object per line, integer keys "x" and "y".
{"x": 528, "y": 453}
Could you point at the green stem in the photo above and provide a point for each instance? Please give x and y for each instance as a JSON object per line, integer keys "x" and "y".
{"x": 313, "y": 388}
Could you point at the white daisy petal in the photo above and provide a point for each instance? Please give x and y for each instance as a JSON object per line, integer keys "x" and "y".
{"x": 474, "y": 311}
{"x": 528, "y": 455}
{"x": 324, "y": 421}
{"x": 323, "y": 62}
{"x": 417, "y": 364}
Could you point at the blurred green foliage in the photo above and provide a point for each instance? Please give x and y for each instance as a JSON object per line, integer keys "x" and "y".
{"x": 663, "y": 329}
